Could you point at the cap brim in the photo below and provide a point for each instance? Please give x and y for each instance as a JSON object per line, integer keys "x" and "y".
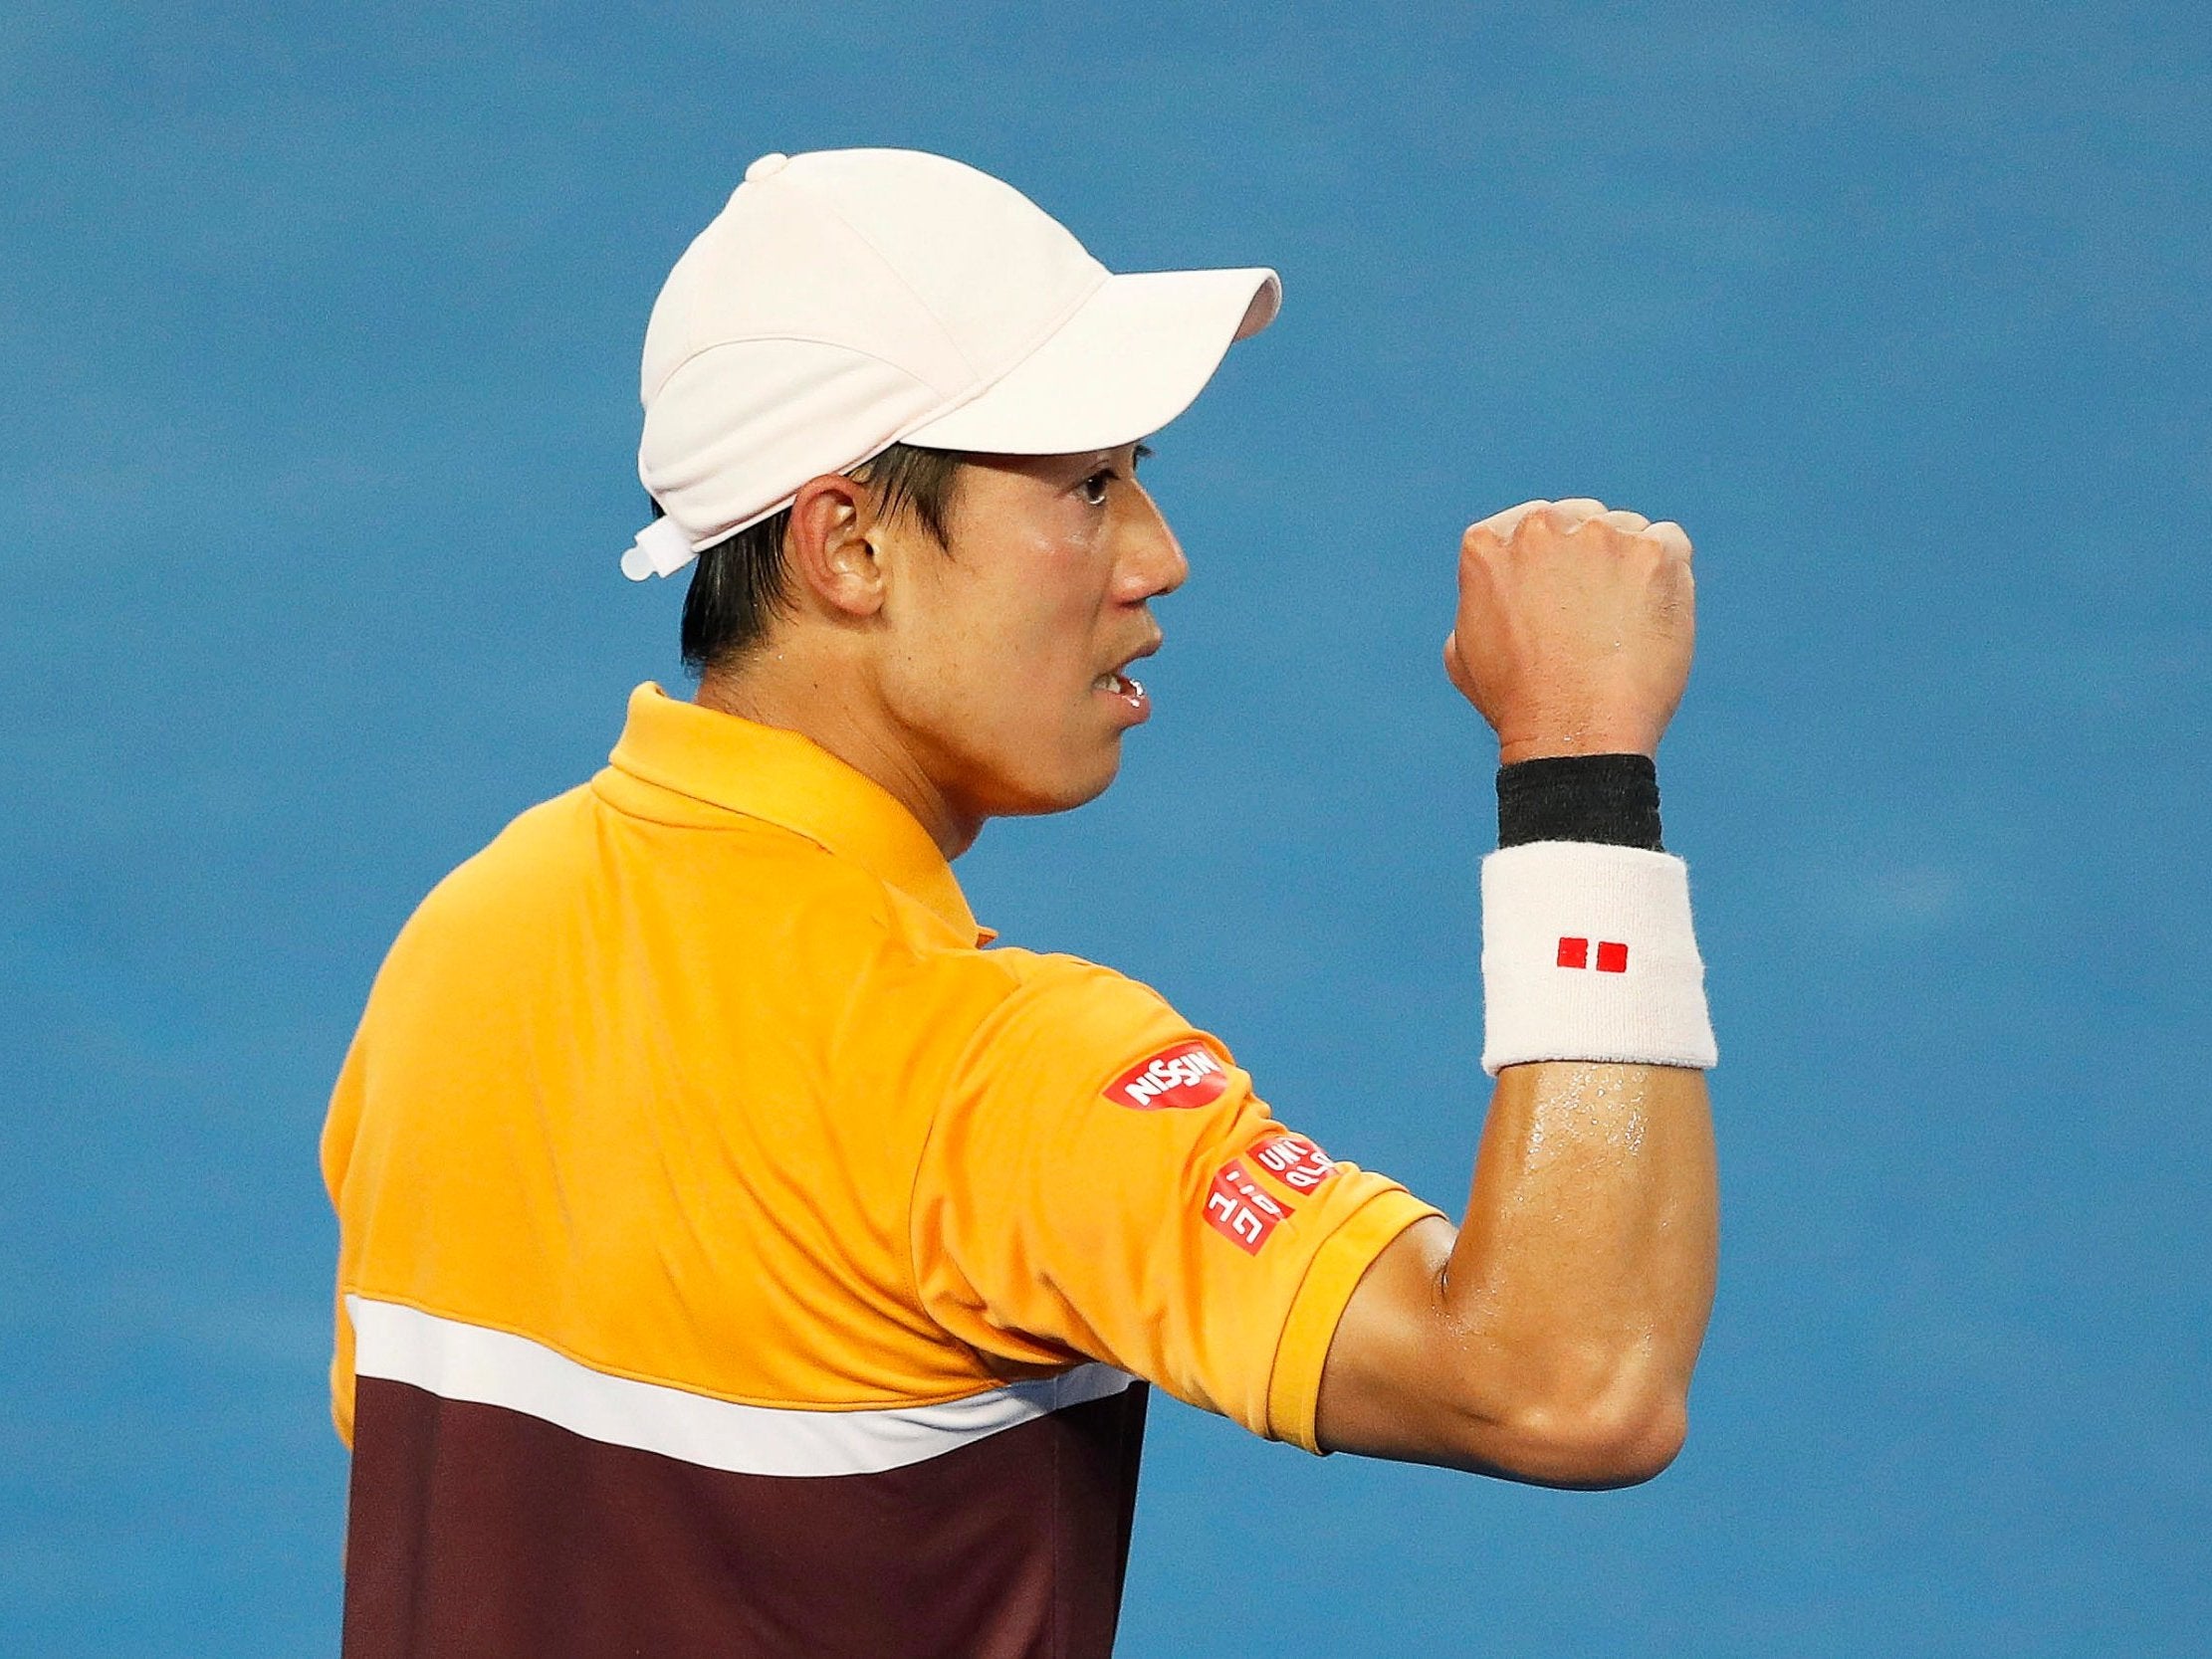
{"x": 1131, "y": 358}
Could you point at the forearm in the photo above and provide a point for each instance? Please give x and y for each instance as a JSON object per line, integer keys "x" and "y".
{"x": 1581, "y": 1277}
{"x": 1551, "y": 1338}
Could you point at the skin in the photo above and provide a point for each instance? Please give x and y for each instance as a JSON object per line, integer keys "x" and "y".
{"x": 1551, "y": 1336}
{"x": 964, "y": 681}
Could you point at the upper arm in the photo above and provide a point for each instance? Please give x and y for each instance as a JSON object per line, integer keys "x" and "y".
{"x": 1076, "y": 1200}
{"x": 1405, "y": 1382}
{"x": 1385, "y": 1388}
{"x": 1397, "y": 1382}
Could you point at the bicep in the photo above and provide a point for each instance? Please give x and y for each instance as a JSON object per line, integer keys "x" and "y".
{"x": 1408, "y": 1380}
{"x": 1391, "y": 1385}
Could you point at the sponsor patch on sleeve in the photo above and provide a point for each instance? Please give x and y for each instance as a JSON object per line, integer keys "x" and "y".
{"x": 1295, "y": 1161}
{"x": 1188, "y": 1073}
{"x": 1239, "y": 1211}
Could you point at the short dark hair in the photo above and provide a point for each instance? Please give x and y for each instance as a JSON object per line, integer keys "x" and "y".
{"x": 738, "y": 586}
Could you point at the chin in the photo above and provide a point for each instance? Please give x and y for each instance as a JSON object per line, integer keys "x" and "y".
{"x": 1034, "y": 797}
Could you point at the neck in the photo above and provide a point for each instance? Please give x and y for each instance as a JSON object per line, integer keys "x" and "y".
{"x": 831, "y": 706}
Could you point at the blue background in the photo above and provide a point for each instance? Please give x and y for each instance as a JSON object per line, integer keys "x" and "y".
{"x": 320, "y": 331}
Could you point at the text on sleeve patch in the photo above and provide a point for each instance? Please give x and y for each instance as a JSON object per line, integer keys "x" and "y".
{"x": 1187, "y": 1075}
{"x": 1295, "y": 1161}
{"x": 1239, "y": 1211}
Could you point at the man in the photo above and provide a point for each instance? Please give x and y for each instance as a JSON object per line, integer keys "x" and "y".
{"x": 737, "y": 1255}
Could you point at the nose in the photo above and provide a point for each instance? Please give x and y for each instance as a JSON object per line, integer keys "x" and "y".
{"x": 1152, "y": 563}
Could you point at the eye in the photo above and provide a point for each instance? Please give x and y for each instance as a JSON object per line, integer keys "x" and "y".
{"x": 1094, "y": 489}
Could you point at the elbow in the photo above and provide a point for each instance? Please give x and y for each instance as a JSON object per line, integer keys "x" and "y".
{"x": 1620, "y": 1439}
{"x": 1614, "y": 1447}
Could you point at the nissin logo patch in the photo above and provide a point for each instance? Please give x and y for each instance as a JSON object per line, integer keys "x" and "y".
{"x": 1185, "y": 1074}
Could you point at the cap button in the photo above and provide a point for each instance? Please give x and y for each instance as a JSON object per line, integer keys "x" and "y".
{"x": 768, "y": 166}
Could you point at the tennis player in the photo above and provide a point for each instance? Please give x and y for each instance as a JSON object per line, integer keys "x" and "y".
{"x": 739, "y": 1252}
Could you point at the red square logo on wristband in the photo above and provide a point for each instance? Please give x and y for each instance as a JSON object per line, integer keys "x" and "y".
{"x": 1613, "y": 955}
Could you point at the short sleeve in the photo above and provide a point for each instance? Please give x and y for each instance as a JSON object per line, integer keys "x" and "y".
{"x": 1100, "y": 1180}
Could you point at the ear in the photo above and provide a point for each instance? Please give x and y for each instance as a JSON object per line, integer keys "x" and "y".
{"x": 829, "y": 548}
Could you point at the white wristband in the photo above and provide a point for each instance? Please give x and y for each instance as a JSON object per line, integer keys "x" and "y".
{"x": 1588, "y": 954}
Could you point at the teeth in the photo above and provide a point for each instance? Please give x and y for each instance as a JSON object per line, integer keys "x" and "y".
{"x": 1107, "y": 682}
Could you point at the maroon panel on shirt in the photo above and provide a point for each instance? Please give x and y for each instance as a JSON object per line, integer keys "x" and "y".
{"x": 475, "y": 1531}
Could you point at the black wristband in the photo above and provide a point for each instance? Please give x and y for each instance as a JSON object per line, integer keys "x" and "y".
{"x": 1612, "y": 798}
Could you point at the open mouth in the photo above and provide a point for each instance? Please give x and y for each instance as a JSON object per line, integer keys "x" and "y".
{"x": 1130, "y": 705}
{"x": 1119, "y": 682}
{"x": 1124, "y": 692}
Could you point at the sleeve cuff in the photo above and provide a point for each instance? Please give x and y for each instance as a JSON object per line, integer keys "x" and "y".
{"x": 1294, "y": 1388}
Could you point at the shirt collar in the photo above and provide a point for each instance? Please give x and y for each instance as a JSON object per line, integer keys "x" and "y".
{"x": 781, "y": 778}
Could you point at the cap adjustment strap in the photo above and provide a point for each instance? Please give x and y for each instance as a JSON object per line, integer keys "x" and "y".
{"x": 662, "y": 548}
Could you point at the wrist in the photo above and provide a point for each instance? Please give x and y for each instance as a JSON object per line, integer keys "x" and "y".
{"x": 1589, "y": 953}
{"x": 1588, "y": 949}
{"x": 1608, "y": 798}
{"x": 1511, "y": 751}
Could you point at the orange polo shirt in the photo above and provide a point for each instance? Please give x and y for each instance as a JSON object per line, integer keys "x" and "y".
{"x": 734, "y": 1255}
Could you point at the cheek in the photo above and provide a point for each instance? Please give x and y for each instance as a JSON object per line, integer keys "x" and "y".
{"x": 996, "y": 662}
{"x": 986, "y": 663}
{"x": 1030, "y": 636}
{"x": 1049, "y": 628}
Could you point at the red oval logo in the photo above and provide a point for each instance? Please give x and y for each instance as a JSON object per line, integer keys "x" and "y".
{"x": 1187, "y": 1075}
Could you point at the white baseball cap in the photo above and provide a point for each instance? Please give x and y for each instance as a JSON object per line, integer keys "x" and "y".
{"x": 845, "y": 300}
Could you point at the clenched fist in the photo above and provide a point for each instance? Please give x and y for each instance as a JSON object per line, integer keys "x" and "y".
{"x": 1575, "y": 628}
